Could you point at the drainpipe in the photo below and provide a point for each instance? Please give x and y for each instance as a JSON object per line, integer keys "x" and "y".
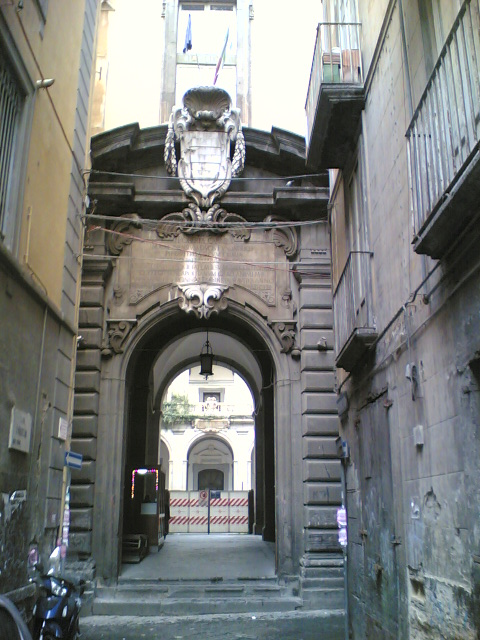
{"x": 343, "y": 453}
{"x": 35, "y": 417}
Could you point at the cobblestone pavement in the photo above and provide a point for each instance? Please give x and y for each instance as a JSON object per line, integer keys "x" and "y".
{"x": 309, "y": 625}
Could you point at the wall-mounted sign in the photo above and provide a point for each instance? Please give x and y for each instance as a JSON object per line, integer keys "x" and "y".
{"x": 20, "y": 430}
{"x": 62, "y": 428}
{"x": 73, "y": 460}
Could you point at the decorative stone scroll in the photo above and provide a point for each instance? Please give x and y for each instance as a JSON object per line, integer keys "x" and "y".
{"x": 205, "y": 125}
{"x": 115, "y": 240}
{"x": 203, "y": 300}
{"x": 117, "y": 333}
{"x": 284, "y": 237}
{"x": 285, "y": 332}
{"x": 193, "y": 219}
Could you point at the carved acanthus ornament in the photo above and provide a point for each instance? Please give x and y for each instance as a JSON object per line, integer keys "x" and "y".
{"x": 193, "y": 219}
{"x": 205, "y": 125}
{"x": 203, "y": 299}
{"x": 116, "y": 239}
{"x": 284, "y": 237}
{"x": 117, "y": 333}
{"x": 285, "y": 332}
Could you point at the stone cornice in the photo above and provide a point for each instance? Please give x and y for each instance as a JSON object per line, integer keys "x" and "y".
{"x": 118, "y": 199}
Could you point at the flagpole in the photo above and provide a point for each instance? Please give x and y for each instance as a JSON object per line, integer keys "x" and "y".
{"x": 221, "y": 59}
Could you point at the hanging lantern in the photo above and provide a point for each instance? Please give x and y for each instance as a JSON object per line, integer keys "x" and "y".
{"x": 206, "y": 360}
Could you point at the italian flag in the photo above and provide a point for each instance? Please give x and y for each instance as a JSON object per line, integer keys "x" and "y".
{"x": 221, "y": 59}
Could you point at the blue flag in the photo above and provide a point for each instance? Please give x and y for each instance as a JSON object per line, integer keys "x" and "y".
{"x": 188, "y": 35}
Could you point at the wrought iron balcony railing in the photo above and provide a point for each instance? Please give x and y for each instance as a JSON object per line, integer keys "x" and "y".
{"x": 355, "y": 328}
{"x": 443, "y": 136}
{"x": 336, "y": 59}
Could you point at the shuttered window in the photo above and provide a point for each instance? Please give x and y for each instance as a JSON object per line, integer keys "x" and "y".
{"x": 11, "y": 102}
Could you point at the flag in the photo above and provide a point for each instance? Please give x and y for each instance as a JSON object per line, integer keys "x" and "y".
{"x": 221, "y": 60}
{"x": 188, "y": 35}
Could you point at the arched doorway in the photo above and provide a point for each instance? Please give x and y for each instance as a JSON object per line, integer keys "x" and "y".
{"x": 170, "y": 344}
{"x": 210, "y": 465}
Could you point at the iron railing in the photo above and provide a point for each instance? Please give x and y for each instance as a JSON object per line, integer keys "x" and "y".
{"x": 352, "y": 298}
{"x": 336, "y": 59}
{"x": 446, "y": 125}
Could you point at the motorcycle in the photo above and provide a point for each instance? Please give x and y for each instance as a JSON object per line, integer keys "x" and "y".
{"x": 57, "y": 610}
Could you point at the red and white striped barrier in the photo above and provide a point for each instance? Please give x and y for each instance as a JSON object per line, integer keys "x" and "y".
{"x": 189, "y": 512}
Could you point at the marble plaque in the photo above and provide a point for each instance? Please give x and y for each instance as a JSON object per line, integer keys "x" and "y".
{"x": 206, "y": 258}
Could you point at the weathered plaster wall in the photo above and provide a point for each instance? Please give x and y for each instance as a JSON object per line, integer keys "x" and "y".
{"x": 40, "y": 274}
{"x": 413, "y": 502}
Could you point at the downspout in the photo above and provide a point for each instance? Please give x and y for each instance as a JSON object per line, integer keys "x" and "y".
{"x": 343, "y": 478}
{"x": 35, "y": 417}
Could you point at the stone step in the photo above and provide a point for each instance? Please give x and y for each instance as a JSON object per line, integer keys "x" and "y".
{"x": 151, "y": 606}
{"x": 323, "y": 598}
{"x": 195, "y": 597}
{"x": 197, "y": 588}
{"x": 322, "y": 572}
{"x": 336, "y": 582}
{"x": 266, "y": 625}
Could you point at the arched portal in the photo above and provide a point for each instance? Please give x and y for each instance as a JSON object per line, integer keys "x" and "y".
{"x": 257, "y": 278}
{"x": 131, "y": 379}
{"x": 210, "y": 465}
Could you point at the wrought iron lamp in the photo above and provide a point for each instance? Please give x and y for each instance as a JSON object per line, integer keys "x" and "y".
{"x": 206, "y": 360}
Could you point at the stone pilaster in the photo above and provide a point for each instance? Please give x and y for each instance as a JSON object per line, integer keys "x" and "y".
{"x": 322, "y": 563}
{"x": 87, "y": 402}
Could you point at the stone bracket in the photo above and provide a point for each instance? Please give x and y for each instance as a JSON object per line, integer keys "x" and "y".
{"x": 285, "y": 332}
{"x": 203, "y": 299}
{"x": 115, "y": 239}
{"x": 284, "y": 237}
{"x": 117, "y": 333}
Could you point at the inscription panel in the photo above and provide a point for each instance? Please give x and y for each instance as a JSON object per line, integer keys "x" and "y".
{"x": 256, "y": 265}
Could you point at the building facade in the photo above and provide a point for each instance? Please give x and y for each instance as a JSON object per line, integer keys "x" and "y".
{"x": 207, "y": 432}
{"x": 393, "y": 112}
{"x": 44, "y": 100}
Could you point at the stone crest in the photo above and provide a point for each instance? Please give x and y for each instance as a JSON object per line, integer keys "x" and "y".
{"x": 205, "y": 126}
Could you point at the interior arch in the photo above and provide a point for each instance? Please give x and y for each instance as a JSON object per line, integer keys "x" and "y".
{"x": 168, "y": 345}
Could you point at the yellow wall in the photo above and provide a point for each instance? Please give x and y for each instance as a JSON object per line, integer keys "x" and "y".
{"x": 47, "y": 181}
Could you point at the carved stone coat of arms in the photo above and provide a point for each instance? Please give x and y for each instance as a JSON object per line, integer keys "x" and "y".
{"x": 205, "y": 126}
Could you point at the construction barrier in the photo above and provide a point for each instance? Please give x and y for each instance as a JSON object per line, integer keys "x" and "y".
{"x": 208, "y": 512}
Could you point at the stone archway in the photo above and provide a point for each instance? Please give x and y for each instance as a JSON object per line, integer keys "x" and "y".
{"x": 125, "y": 382}
{"x": 150, "y": 276}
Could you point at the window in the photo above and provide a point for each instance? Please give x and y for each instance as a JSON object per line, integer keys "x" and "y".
{"x": 202, "y": 34}
{"x": 211, "y": 395}
{"x": 13, "y": 115}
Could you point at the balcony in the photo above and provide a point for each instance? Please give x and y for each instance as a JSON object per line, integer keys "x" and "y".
{"x": 213, "y": 409}
{"x": 335, "y": 97}
{"x": 355, "y": 329}
{"x": 443, "y": 140}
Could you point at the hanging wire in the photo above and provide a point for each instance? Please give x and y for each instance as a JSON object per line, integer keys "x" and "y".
{"x": 120, "y": 174}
